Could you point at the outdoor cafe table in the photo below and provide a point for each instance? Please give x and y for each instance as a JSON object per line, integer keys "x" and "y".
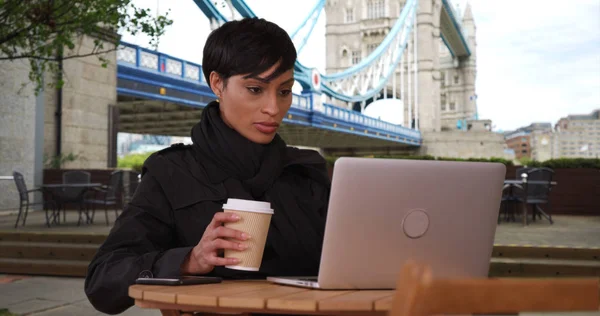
{"x": 519, "y": 184}
{"x": 60, "y": 196}
{"x": 259, "y": 296}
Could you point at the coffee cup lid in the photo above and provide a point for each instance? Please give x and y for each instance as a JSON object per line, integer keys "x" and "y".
{"x": 248, "y": 206}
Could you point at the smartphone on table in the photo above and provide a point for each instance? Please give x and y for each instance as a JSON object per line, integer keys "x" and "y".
{"x": 183, "y": 280}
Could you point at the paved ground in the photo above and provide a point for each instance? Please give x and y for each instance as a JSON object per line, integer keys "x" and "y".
{"x": 49, "y": 296}
{"x": 65, "y": 296}
{"x": 571, "y": 231}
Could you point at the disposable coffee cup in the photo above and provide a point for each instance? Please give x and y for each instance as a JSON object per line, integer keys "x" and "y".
{"x": 255, "y": 218}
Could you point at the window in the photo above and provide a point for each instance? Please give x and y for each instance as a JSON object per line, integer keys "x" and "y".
{"x": 456, "y": 79}
{"x": 349, "y": 15}
{"x": 443, "y": 106}
{"x": 452, "y": 106}
{"x": 443, "y": 79}
{"x": 524, "y": 145}
{"x": 524, "y": 151}
{"x": 356, "y": 57}
{"x": 443, "y": 101}
{"x": 375, "y": 9}
{"x": 371, "y": 48}
{"x": 523, "y": 139}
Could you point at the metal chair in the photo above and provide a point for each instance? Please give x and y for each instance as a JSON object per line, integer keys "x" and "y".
{"x": 509, "y": 196}
{"x": 108, "y": 195}
{"x": 74, "y": 195}
{"x": 25, "y": 202}
{"x": 131, "y": 180}
{"x": 535, "y": 191}
{"x": 76, "y": 176}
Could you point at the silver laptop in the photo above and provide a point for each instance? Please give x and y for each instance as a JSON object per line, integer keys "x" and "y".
{"x": 383, "y": 212}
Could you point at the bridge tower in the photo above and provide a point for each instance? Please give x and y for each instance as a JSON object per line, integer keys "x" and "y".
{"x": 458, "y": 98}
{"x": 446, "y": 84}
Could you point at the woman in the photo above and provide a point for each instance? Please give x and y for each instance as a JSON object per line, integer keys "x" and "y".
{"x": 173, "y": 225}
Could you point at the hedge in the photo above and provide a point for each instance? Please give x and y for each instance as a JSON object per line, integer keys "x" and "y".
{"x": 552, "y": 163}
{"x": 559, "y": 163}
{"x": 133, "y": 161}
{"x": 136, "y": 161}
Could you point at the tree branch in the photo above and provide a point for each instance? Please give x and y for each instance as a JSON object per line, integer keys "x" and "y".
{"x": 8, "y": 8}
{"x": 15, "y": 34}
{"x": 68, "y": 5}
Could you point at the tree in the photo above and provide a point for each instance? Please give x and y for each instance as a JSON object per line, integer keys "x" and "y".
{"x": 40, "y": 30}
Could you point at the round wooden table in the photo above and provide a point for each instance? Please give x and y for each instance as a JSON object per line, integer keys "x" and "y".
{"x": 259, "y": 296}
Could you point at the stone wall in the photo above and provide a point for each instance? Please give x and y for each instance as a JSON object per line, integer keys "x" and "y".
{"x": 17, "y": 129}
{"x": 461, "y": 144}
{"x": 28, "y": 123}
{"x": 88, "y": 91}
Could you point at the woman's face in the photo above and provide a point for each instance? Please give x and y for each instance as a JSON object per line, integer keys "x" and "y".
{"x": 254, "y": 107}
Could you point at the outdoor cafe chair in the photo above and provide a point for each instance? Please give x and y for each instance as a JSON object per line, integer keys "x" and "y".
{"x": 74, "y": 195}
{"x": 509, "y": 196}
{"x": 536, "y": 191}
{"x": 421, "y": 294}
{"x": 107, "y": 196}
{"x": 25, "y": 202}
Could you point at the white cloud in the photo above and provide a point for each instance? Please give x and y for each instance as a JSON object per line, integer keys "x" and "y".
{"x": 537, "y": 60}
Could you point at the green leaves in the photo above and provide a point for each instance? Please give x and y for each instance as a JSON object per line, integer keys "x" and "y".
{"x": 133, "y": 161}
{"x": 57, "y": 162}
{"x": 39, "y": 30}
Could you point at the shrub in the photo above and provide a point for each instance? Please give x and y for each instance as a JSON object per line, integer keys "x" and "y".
{"x": 133, "y": 161}
{"x": 571, "y": 163}
{"x": 552, "y": 163}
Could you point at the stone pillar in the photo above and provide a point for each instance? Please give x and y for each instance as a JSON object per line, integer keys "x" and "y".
{"x": 17, "y": 129}
{"x": 113, "y": 131}
{"x": 38, "y": 164}
{"x": 88, "y": 92}
{"x": 428, "y": 32}
{"x": 468, "y": 66}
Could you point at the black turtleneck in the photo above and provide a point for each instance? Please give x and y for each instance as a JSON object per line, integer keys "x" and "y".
{"x": 183, "y": 187}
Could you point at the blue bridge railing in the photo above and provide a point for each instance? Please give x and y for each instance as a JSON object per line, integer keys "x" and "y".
{"x": 368, "y": 123}
{"x": 147, "y": 59}
{"x": 166, "y": 73}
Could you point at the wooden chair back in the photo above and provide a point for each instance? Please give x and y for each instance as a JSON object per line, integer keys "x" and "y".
{"x": 420, "y": 294}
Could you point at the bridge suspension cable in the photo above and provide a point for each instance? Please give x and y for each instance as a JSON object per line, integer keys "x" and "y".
{"x": 359, "y": 82}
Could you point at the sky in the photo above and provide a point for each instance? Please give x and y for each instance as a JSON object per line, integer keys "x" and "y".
{"x": 537, "y": 60}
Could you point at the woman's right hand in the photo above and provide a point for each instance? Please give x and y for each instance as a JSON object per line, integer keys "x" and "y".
{"x": 205, "y": 255}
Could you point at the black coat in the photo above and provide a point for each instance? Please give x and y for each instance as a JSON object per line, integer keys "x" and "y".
{"x": 173, "y": 205}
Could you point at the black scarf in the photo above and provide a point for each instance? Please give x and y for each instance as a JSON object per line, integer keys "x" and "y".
{"x": 255, "y": 171}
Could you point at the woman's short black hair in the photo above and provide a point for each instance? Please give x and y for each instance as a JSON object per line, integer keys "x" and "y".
{"x": 249, "y": 46}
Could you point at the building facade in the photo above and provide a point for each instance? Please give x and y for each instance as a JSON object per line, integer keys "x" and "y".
{"x": 38, "y": 130}
{"x": 577, "y": 136}
{"x": 356, "y": 27}
{"x": 533, "y": 141}
{"x": 21, "y": 124}
{"x": 520, "y": 143}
